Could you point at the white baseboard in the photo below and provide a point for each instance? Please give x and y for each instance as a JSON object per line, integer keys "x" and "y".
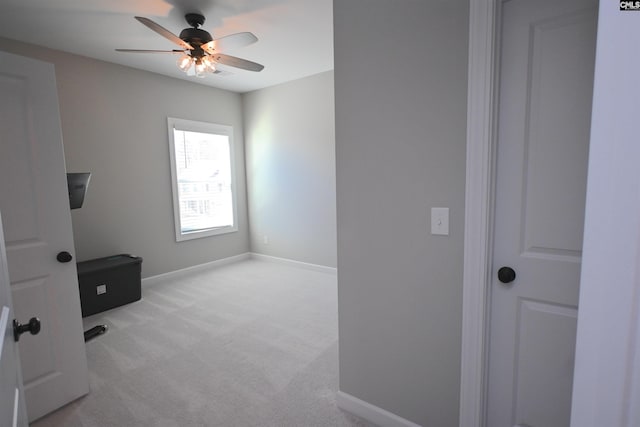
{"x": 150, "y": 281}
{"x": 308, "y": 266}
{"x": 371, "y": 412}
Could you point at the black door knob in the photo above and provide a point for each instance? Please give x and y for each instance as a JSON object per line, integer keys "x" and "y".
{"x": 64, "y": 256}
{"x": 18, "y": 328}
{"x": 506, "y": 275}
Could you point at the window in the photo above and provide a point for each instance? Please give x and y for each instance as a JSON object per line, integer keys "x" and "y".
{"x": 203, "y": 177}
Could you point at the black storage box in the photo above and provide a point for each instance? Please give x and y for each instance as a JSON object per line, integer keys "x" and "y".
{"x": 109, "y": 282}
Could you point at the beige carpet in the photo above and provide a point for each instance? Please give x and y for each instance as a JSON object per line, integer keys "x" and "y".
{"x": 249, "y": 344}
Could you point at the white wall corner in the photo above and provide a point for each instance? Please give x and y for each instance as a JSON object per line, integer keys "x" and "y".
{"x": 371, "y": 412}
{"x": 606, "y": 384}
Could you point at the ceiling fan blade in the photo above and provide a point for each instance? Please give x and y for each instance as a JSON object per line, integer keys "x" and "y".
{"x": 232, "y": 41}
{"x": 236, "y": 62}
{"x": 164, "y": 32}
{"x": 149, "y": 51}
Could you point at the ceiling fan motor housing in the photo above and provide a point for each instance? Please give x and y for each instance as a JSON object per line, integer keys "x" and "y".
{"x": 195, "y": 36}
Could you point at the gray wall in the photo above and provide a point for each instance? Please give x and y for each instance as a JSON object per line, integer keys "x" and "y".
{"x": 290, "y": 145}
{"x": 400, "y": 84}
{"x": 114, "y": 124}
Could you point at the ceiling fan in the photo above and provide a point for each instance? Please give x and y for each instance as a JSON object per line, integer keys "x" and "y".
{"x": 198, "y": 49}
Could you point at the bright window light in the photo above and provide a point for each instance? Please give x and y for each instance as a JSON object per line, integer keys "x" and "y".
{"x": 203, "y": 178}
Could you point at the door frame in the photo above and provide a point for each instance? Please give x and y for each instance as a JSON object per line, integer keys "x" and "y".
{"x": 479, "y": 203}
{"x": 608, "y": 338}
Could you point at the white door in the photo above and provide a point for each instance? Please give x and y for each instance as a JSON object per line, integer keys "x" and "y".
{"x": 12, "y": 409}
{"x": 37, "y": 224}
{"x": 546, "y": 79}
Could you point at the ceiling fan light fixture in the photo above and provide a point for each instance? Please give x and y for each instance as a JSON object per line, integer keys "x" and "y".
{"x": 201, "y": 68}
{"x": 209, "y": 63}
{"x": 184, "y": 62}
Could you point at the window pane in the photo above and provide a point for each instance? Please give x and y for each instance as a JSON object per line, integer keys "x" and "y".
{"x": 203, "y": 169}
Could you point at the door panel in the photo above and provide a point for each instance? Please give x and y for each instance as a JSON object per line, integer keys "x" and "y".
{"x": 545, "y": 345}
{"x": 12, "y": 402}
{"x": 555, "y": 152}
{"x": 35, "y": 206}
{"x": 20, "y": 213}
{"x": 30, "y": 297}
{"x": 546, "y": 79}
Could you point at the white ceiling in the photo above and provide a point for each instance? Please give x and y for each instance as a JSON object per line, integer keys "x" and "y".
{"x": 295, "y": 36}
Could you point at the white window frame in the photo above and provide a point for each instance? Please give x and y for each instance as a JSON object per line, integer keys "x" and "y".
{"x": 203, "y": 127}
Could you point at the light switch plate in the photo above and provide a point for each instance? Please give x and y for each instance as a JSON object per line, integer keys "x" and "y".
{"x": 101, "y": 289}
{"x": 440, "y": 221}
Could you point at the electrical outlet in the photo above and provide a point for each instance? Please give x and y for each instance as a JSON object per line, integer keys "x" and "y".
{"x": 265, "y": 239}
{"x": 101, "y": 289}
